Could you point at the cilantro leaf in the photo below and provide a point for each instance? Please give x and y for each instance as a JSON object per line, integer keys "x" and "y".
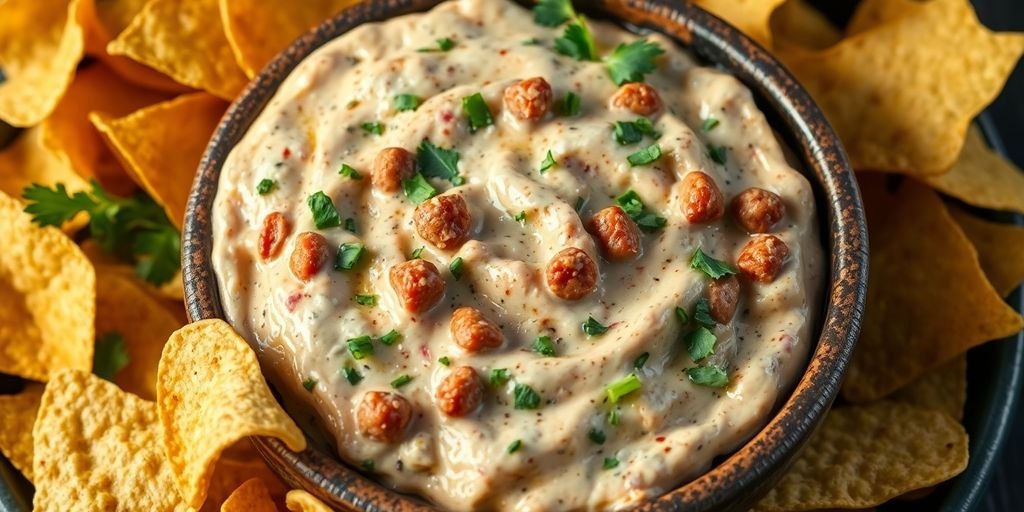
{"x": 525, "y": 397}
{"x": 647, "y": 221}
{"x": 110, "y": 356}
{"x": 544, "y": 346}
{"x": 700, "y": 343}
{"x": 710, "y": 266}
{"x": 348, "y": 256}
{"x": 437, "y": 162}
{"x": 702, "y": 313}
{"x": 477, "y": 111}
{"x": 593, "y": 328}
{"x": 576, "y": 42}
{"x": 708, "y": 376}
{"x": 548, "y": 163}
{"x": 265, "y": 186}
{"x": 374, "y": 127}
{"x": 570, "y": 105}
{"x": 407, "y": 102}
{"x": 552, "y": 13}
{"x": 418, "y": 189}
{"x": 630, "y": 62}
{"x": 645, "y": 156}
{"x": 325, "y": 215}
{"x": 709, "y": 124}
{"x": 54, "y": 207}
{"x": 718, "y": 154}
{"x": 157, "y": 254}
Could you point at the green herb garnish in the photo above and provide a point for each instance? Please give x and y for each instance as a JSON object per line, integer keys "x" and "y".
{"x": 309, "y": 383}
{"x": 401, "y": 381}
{"x": 593, "y": 328}
{"x": 596, "y": 436}
{"x": 444, "y": 361}
{"x": 443, "y": 45}
{"x": 614, "y": 417}
{"x": 622, "y": 387}
{"x": 348, "y": 256}
{"x": 521, "y": 217}
{"x": 368, "y": 466}
{"x": 416, "y": 253}
{"x": 325, "y": 215}
{"x": 366, "y": 300}
{"x": 499, "y": 376}
{"x": 708, "y": 376}
{"x": 645, "y": 156}
{"x": 633, "y": 205}
{"x": 417, "y": 189}
{"x": 437, "y": 162}
{"x": 717, "y": 154}
{"x": 350, "y": 225}
{"x": 700, "y": 343}
{"x": 544, "y": 346}
{"x": 455, "y": 267}
{"x": 682, "y": 316}
{"x": 360, "y": 347}
{"x": 109, "y": 356}
{"x": 477, "y": 111}
{"x": 630, "y": 62}
{"x": 514, "y": 446}
{"x": 390, "y": 338}
{"x": 374, "y": 127}
{"x": 576, "y": 41}
{"x": 631, "y": 132}
{"x": 349, "y": 172}
{"x": 265, "y": 186}
{"x": 641, "y": 360}
{"x": 407, "y": 102}
{"x": 525, "y": 397}
{"x": 709, "y": 124}
{"x": 570, "y": 105}
{"x": 548, "y": 163}
{"x": 710, "y": 266}
{"x": 552, "y": 13}
{"x": 352, "y": 375}
{"x": 610, "y": 463}
{"x": 702, "y": 313}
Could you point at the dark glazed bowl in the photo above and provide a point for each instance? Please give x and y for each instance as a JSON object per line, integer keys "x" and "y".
{"x": 736, "y": 480}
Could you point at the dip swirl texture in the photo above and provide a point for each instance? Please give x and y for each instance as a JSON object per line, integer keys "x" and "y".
{"x": 517, "y": 342}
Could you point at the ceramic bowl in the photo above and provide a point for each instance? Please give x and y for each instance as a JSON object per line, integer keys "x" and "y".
{"x": 735, "y": 480}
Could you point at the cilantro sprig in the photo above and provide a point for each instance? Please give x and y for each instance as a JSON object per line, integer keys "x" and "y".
{"x": 135, "y": 228}
{"x": 633, "y": 205}
{"x": 437, "y": 162}
{"x": 110, "y": 356}
{"x": 552, "y": 13}
{"x": 577, "y": 42}
{"x": 630, "y": 62}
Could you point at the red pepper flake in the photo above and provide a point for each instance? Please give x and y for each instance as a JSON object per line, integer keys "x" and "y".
{"x": 447, "y": 116}
{"x": 293, "y": 300}
{"x": 503, "y": 52}
{"x": 425, "y": 351}
{"x": 660, "y": 439}
{"x": 286, "y": 153}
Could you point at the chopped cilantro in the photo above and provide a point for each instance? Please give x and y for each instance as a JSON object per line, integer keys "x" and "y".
{"x": 499, "y": 376}
{"x": 374, "y": 127}
{"x": 443, "y": 45}
{"x": 109, "y": 356}
{"x": 631, "y": 132}
{"x": 710, "y": 266}
{"x": 544, "y": 346}
{"x": 390, "y": 338}
{"x": 682, "y": 316}
{"x": 552, "y": 13}
{"x": 368, "y": 466}
{"x": 633, "y": 205}
{"x": 576, "y": 41}
{"x": 596, "y": 436}
{"x": 401, "y": 381}
{"x": 610, "y": 463}
{"x": 134, "y": 229}
{"x": 548, "y": 163}
{"x": 416, "y": 253}
{"x": 455, "y": 267}
{"x": 521, "y": 217}
{"x": 622, "y": 387}
{"x": 348, "y": 256}
{"x": 630, "y": 62}
{"x": 309, "y": 383}
{"x": 525, "y": 397}
{"x": 349, "y": 172}
{"x": 438, "y": 162}
{"x": 700, "y": 344}
{"x": 418, "y": 189}
{"x": 444, "y": 361}
{"x": 702, "y": 313}
{"x": 477, "y": 111}
{"x": 350, "y": 225}
{"x": 641, "y": 360}
{"x": 407, "y": 102}
{"x": 514, "y": 446}
{"x": 708, "y": 125}
{"x": 708, "y": 376}
{"x": 325, "y": 215}
{"x": 645, "y": 156}
{"x": 360, "y": 347}
{"x": 366, "y": 300}
{"x": 352, "y": 375}
{"x": 717, "y": 153}
{"x": 265, "y": 186}
{"x": 570, "y": 105}
{"x": 593, "y": 328}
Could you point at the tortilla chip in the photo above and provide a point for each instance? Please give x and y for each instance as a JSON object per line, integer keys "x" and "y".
{"x": 237, "y": 465}
{"x": 144, "y": 139}
{"x": 185, "y": 40}
{"x": 1000, "y": 249}
{"x": 928, "y": 299}
{"x": 211, "y": 394}
{"x": 48, "y": 292}
{"x": 96, "y": 88}
{"x": 750, "y": 16}
{"x": 875, "y": 13}
{"x": 125, "y": 308}
{"x": 902, "y": 95}
{"x": 797, "y": 25}
{"x": 863, "y": 456}
{"x": 302, "y": 501}
{"x": 171, "y": 294}
{"x": 259, "y": 29}
{"x": 99, "y": 448}
{"x": 982, "y": 178}
{"x": 31, "y": 159}
{"x": 17, "y": 415}
{"x": 251, "y": 496}
{"x": 942, "y": 389}
{"x": 37, "y": 63}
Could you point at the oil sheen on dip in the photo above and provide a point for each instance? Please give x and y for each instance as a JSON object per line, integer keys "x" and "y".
{"x": 502, "y": 426}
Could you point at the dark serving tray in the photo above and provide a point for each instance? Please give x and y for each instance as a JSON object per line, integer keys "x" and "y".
{"x": 996, "y": 370}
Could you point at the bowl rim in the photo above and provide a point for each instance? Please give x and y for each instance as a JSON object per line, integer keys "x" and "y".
{"x": 746, "y": 473}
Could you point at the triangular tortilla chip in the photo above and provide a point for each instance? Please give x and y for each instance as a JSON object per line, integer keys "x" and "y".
{"x": 1000, "y": 249}
{"x": 17, "y": 415}
{"x": 982, "y": 178}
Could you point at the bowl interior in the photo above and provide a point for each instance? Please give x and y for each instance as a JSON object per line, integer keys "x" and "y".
{"x": 738, "y": 479}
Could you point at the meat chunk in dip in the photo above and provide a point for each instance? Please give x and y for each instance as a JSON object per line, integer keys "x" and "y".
{"x": 486, "y": 254}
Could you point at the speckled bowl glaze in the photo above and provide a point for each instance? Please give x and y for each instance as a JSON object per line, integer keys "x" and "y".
{"x": 736, "y": 480}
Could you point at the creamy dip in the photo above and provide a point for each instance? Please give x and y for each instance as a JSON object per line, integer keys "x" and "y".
{"x": 549, "y": 437}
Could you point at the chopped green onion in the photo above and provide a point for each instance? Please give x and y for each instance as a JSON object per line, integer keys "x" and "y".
{"x": 401, "y": 381}
{"x": 350, "y": 225}
{"x": 352, "y": 375}
{"x": 710, "y": 266}
{"x": 525, "y": 397}
{"x": 366, "y": 300}
{"x": 622, "y": 387}
{"x": 325, "y": 215}
{"x": 700, "y": 343}
{"x": 407, "y": 102}
{"x": 593, "y": 328}
{"x": 455, "y": 267}
{"x": 596, "y": 436}
{"x": 443, "y": 45}
{"x": 499, "y": 376}
{"x": 641, "y": 360}
{"x": 360, "y": 347}
{"x": 348, "y": 256}
{"x": 570, "y": 105}
{"x": 390, "y": 338}
{"x": 548, "y": 163}
{"x": 708, "y": 376}
{"x": 418, "y": 189}
{"x": 309, "y": 383}
{"x": 444, "y": 360}
{"x": 515, "y": 446}
{"x": 631, "y": 132}
{"x": 610, "y": 463}
{"x": 349, "y": 172}
{"x": 717, "y": 154}
{"x": 477, "y": 111}
{"x": 709, "y": 124}
{"x": 682, "y": 316}
{"x": 375, "y": 128}
{"x": 265, "y": 186}
{"x": 645, "y": 156}
{"x": 416, "y": 253}
{"x": 613, "y": 417}
{"x": 521, "y": 217}
{"x": 544, "y": 346}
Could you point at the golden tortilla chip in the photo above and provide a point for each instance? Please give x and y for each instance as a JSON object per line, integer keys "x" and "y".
{"x": 171, "y": 294}
{"x": 1000, "y": 249}
{"x": 238, "y": 464}
{"x": 96, "y": 88}
{"x": 185, "y": 40}
{"x": 211, "y": 394}
{"x": 31, "y": 159}
{"x": 863, "y": 456}
{"x": 750, "y": 16}
{"x": 798, "y": 25}
{"x": 99, "y": 448}
{"x": 902, "y": 95}
{"x": 874, "y": 13}
{"x": 982, "y": 178}
{"x": 302, "y": 501}
{"x": 144, "y": 140}
{"x": 251, "y": 496}
{"x": 942, "y": 389}
{"x": 928, "y": 299}
{"x": 125, "y": 308}
{"x": 48, "y": 297}
{"x": 258, "y": 29}
{"x": 41, "y": 43}
{"x": 17, "y": 415}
